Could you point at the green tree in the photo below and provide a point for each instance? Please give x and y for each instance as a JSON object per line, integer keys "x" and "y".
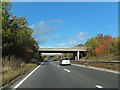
{"x": 92, "y": 44}
{"x": 17, "y": 36}
{"x": 6, "y": 6}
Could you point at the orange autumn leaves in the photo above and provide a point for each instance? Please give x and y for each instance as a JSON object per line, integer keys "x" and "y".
{"x": 99, "y": 49}
{"x": 106, "y": 41}
{"x": 102, "y": 44}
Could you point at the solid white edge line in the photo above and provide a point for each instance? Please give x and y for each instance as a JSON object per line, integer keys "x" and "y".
{"x": 98, "y": 86}
{"x": 27, "y": 76}
{"x": 95, "y": 68}
{"x": 67, "y": 70}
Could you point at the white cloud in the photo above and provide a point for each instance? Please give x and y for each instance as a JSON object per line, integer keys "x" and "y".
{"x": 72, "y": 42}
{"x": 81, "y": 36}
{"x": 41, "y": 39}
{"x": 41, "y": 22}
{"x": 41, "y": 28}
{"x": 44, "y": 29}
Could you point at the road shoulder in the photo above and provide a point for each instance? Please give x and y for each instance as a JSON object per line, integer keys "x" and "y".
{"x": 96, "y": 68}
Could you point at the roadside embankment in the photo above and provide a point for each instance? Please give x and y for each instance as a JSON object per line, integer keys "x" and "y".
{"x": 102, "y": 64}
{"x": 13, "y": 67}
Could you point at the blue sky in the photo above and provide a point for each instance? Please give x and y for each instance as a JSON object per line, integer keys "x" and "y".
{"x": 67, "y": 24}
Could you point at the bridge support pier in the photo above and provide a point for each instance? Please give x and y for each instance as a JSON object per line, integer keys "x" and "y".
{"x": 74, "y": 55}
{"x": 78, "y": 53}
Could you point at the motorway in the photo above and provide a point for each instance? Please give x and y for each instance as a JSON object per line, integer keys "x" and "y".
{"x": 52, "y": 75}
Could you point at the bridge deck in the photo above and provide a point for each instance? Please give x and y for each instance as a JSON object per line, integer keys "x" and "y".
{"x": 62, "y": 49}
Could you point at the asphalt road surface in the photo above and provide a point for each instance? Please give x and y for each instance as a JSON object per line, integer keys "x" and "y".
{"x": 52, "y": 75}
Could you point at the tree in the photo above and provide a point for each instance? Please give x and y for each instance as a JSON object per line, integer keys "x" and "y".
{"x": 92, "y": 44}
{"x": 103, "y": 45}
{"x": 6, "y": 6}
{"x": 17, "y": 36}
{"x": 99, "y": 49}
{"x": 119, "y": 45}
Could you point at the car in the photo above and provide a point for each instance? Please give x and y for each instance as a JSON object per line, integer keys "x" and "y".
{"x": 46, "y": 60}
{"x": 65, "y": 61}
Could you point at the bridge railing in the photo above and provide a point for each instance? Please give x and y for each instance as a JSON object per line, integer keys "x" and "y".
{"x": 67, "y": 48}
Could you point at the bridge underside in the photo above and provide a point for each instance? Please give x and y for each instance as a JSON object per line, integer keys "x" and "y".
{"x": 76, "y": 54}
{"x": 57, "y": 51}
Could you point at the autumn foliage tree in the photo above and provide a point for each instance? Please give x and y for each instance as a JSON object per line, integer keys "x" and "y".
{"x": 103, "y": 45}
{"x": 92, "y": 44}
{"x": 99, "y": 49}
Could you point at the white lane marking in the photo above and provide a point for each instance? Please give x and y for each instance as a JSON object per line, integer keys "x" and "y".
{"x": 27, "y": 76}
{"x": 58, "y": 65}
{"x": 98, "y": 86}
{"x": 67, "y": 70}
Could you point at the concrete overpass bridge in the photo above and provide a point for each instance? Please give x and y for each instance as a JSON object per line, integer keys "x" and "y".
{"x": 76, "y": 51}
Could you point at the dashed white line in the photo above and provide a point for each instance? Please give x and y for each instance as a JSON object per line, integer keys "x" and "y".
{"x": 67, "y": 70}
{"x": 98, "y": 86}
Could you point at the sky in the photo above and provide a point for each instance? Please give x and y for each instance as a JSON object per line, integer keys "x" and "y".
{"x": 66, "y": 24}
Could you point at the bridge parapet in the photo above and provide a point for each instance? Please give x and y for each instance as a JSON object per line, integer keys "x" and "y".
{"x": 64, "y": 49}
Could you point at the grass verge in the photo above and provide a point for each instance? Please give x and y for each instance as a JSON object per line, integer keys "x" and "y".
{"x": 101, "y": 65}
{"x": 13, "y": 68}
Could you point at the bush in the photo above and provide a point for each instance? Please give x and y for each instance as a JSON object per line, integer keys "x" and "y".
{"x": 13, "y": 67}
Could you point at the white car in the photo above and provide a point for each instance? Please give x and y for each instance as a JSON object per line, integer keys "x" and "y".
{"x": 65, "y": 61}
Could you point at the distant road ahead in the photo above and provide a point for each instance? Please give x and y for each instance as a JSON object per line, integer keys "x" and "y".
{"x": 52, "y": 75}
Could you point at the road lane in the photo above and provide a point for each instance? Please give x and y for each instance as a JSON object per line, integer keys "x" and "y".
{"x": 106, "y": 79}
{"x": 52, "y": 75}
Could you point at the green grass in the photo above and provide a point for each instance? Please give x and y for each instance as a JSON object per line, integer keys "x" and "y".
{"x": 13, "y": 68}
{"x": 102, "y": 65}
{"x": 108, "y": 57}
